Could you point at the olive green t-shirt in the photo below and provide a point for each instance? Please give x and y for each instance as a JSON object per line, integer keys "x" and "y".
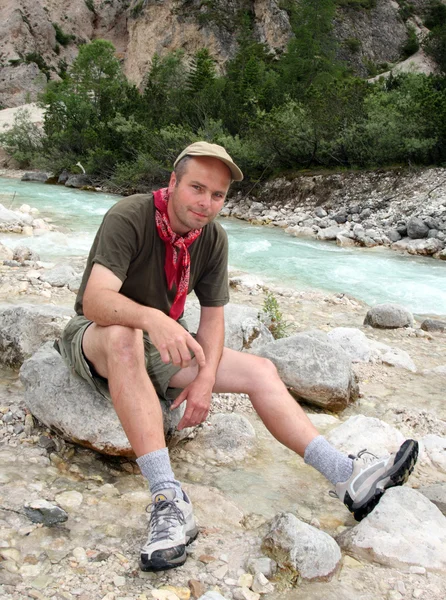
{"x": 128, "y": 244}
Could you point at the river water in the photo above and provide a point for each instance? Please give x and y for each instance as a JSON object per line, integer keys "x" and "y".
{"x": 374, "y": 275}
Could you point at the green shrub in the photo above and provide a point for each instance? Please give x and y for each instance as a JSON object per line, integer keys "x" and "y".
{"x": 63, "y": 38}
{"x": 353, "y": 44}
{"x": 23, "y": 141}
{"x": 90, "y": 5}
{"x": 435, "y": 46}
{"x": 273, "y": 317}
{"x": 357, "y": 3}
{"x": 35, "y": 57}
{"x": 411, "y": 45}
{"x": 137, "y": 9}
{"x": 406, "y": 9}
{"x": 435, "y": 15}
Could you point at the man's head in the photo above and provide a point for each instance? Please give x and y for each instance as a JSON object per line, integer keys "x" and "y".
{"x": 199, "y": 184}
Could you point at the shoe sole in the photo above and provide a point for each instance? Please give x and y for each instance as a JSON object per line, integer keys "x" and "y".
{"x": 160, "y": 564}
{"x": 403, "y": 466}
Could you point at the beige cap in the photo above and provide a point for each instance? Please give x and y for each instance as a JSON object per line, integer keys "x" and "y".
{"x": 214, "y": 150}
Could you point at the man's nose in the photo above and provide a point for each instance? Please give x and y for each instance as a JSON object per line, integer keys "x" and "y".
{"x": 205, "y": 199}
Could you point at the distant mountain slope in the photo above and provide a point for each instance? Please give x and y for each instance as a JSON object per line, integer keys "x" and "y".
{"x": 40, "y": 38}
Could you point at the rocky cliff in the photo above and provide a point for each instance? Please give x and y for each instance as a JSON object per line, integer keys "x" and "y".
{"x": 40, "y": 38}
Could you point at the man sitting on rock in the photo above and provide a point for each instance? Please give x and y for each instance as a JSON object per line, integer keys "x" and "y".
{"x": 149, "y": 253}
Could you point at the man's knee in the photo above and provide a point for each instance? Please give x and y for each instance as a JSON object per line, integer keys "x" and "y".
{"x": 116, "y": 344}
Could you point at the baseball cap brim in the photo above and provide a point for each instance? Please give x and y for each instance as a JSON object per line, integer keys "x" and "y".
{"x": 214, "y": 151}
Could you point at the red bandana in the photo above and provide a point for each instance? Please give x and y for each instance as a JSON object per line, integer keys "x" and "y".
{"x": 177, "y": 263}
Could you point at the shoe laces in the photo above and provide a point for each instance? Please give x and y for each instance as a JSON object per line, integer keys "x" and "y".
{"x": 366, "y": 456}
{"x": 165, "y": 515}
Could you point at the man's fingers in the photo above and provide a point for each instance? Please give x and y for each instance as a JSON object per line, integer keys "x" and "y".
{"x": 198, "y": 351}
{"x": 179, "y": 400}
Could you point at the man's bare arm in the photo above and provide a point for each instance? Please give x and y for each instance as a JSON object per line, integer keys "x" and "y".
{"x": 103, "y": 304}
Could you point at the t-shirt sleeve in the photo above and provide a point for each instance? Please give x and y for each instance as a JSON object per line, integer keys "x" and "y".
{"x": 116, "y": 244}
{"x": 212, "y": 289}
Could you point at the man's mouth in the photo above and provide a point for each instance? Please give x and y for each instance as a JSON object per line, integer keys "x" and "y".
{"x": 200, "y": 215}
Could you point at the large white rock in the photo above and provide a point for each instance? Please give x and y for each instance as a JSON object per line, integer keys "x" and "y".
{"x": 353, "y": 341}
{"x": 25, "y": 327}
{"x": 224, "y": 438}
{"x": 59, "y": 276}
{"x": 433, "y": 451}
{"x": 9, "y": 217}
{"x": 360, "y": 432}
{"x": 65, "y": 402}
{"x": 388, "y": 316}
{"x": 300, "y": 548}
{"x": 316, "y": 370}
{"x": 5, "y": 252}
{"x": 398, "y": 358}
{"x": 405, "y": 529}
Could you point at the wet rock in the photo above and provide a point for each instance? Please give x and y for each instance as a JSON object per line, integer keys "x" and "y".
{"x": 388, "y": 316}
{"x": 301, "y": 549}
{"x": 78, "y": 181}
{"x": 210, "y": 506}
{"x": 315, "y": 370}
{"x": 416, "y": 228}
{"x": 59, "y": 276}
{"x": 39, "y": 176}
{"x": 70, "y": 499}
{"x": 433, "y": 325}
{"x": 360, "y": 432}
{"x": 25, "y": 327}
{"x": 65, "y": 402}
{"x": 353, "y": 341}
{"x": 42, "y": 511}
{"x": 436, "y": 493}
{"x": 404, "y": 529}
{"x": 224, "y": 438}
{"x": 22, "y": 253}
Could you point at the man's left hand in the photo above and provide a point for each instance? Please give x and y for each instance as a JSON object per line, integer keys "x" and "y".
{"x": 198, "y": 395}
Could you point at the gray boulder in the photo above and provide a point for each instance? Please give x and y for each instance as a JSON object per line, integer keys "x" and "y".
{"x": 436, "y": 493}
{"x": 10, "y": 218}
{"x": 39, "y": 176}
{"x": 42, "y": 511}
{"x": 59, "y": 276}
{"x": 388, "y": 316}
{"x": 243, "y": 327}
{"x": 393, "y": 235}
{"x": 224, "y": 438}
{"x": 353, "y": 341}
{"x": 24, "y": 328}
{"x": 22, "y": 253}
{"x": 425, "y": 247}
{"x": 314, "y": 369}
{"x": 78, "y": 181}
{"x": 416, "y": 228}
{"x": 433, "y": 325}
{"x": 301, "y": 549}
{"x": 360, "y": 432}
{"x": 404, "y": 530}
{"x": 68, "y": 404}
{"x": 330, "y": 233}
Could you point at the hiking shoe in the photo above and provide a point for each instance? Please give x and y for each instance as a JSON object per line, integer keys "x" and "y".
{"x": 171, "y": 528}
{"x": 372, "y": 476}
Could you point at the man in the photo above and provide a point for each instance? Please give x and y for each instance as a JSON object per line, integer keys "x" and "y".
{"x": 128, "y": 341}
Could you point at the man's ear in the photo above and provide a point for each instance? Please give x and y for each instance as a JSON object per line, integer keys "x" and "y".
{"x": 172, "y": 182}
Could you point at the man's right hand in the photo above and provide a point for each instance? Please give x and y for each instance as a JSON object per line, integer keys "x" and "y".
{"x": 173, "y": 342}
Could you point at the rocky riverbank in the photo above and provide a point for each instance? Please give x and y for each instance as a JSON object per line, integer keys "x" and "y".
{"x": 239, "y": 490}
{"x": 402, "y": 209}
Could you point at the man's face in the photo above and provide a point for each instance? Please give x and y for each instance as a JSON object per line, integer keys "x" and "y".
{"x": 198, "y": 197}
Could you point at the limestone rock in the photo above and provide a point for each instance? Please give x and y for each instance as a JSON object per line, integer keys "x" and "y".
{"x": 42, "y": 511}
{"x": 264, "y": 565}
{"x": 353, "y": 341}
{"x": 300, "y": 548}
{"x": 39, "y": 176}
{"x": 315, "y": 370}
{"x": 224, "y": 438}
{"x": 211, "y": 595}
{"x": 436, "y": 493}
{"x": 59, "y": 276}
{"x": 398, "y": 358}
{"x": 78, "y": 181}
{"x": 65, "y": 402}
{"x": 433, "y": 325}
{"x": 404, "y": 529}
{"x": 388, "y": 316}
{"x": 6, "y": 253}
{"x": 360, "y": 432}
{"x": 9, "y": 218}
{"x": 330, "y": 233}
{"x": 425, "y": 247}
{"x": 416, "y": 228}
{"x": 25, "y": 327}
{"x": 22, "y": 253}
{"x": 434, "y": 449}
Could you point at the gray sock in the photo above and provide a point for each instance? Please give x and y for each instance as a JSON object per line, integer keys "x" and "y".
{"x": 155, "y": 466}
{"x": 334, "y": 465}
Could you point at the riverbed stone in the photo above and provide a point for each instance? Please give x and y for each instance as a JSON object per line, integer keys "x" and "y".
{"x": 301, "y": 549}
{"x": 78, "y": 181}
{"x": 22, "y": 253}
{"x": 314, "y": 369}
{"x": 59, "y": 276}
{"x": 426, "y": 247}
{"x": 434, "y": 451}
{"x": 353, "y": 341}
{"x": 63, "y": 401}
{"x": 436, "y": 493}
{"x": 330, "y": 233}
{"x": 212, "y": 595}
{"x": 224, "y": 438}
{"x": 46, "y": 513}
{"x": 360, "y": 432}
{"x": 39, "y": 176}
{"x": 396, "y": 357}
{"x": 405, "y": 529}
{"x": 434, "y": 325}
{"x": 6, "y": 253}
{"x": 388, "y": 316}
{"x": 25, "y": 327}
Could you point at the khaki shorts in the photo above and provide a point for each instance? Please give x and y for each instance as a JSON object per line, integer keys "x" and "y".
{"x": 70, "y": 348}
